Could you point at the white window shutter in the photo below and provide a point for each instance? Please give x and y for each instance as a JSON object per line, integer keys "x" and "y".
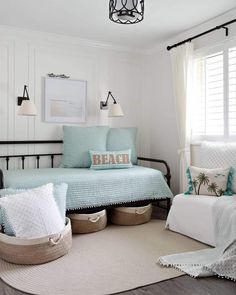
{"x": 208, "y": 102}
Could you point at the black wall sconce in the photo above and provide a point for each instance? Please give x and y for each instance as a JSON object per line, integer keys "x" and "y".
{"x": 115, "y": 109}
{"x": 27, "y": 107}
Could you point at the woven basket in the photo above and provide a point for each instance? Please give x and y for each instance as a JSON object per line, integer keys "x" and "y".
{"x": 36, "y": 251}
{"x": 88, "y": 223}
{"x": 131, "y": 215}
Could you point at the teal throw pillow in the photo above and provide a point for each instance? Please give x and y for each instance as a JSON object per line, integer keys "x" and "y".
{"x": 233, "y": 179}
{"x": 110, "y": 160}
{"x": 120, "y": 139}
{"x": 77, "y": 143}
{"x": 59, "y": 193}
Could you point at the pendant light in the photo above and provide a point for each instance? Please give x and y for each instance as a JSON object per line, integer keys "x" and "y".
{"x": 126, "y": 11}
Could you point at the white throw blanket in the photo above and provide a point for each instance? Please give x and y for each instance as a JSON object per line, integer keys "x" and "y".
{"x": 219, "y": 261}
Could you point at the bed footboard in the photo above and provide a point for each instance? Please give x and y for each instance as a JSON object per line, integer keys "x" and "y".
{"x": 1, "y": 179}
{"x": 167, "y": 177}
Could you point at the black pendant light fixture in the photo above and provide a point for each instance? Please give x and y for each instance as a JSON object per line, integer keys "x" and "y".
{"x": 126, "y": 11}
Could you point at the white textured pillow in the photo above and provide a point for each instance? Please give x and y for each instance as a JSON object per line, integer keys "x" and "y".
{"x": 216, "y": 154}
{"x": 33, "y": 213}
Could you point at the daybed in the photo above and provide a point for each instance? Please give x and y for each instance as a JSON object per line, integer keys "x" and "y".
{"x": 92, "y": 189}
{"x": 88, "y": 188}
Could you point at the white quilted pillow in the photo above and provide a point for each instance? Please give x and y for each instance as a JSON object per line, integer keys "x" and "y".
{"x": 33, "y": 213}
{"x": 213, "y": 155}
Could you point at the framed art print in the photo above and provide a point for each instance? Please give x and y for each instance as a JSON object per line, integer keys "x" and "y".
{"x": 65, "y": 100}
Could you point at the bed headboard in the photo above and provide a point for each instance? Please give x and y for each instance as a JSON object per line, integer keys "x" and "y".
{"x": 37, "y": 156}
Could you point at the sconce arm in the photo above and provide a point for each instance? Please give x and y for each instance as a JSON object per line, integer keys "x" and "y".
{"x": 24, "y": 97}
{"x": 110, "y": 94}
{"x": 104, "y": 105}
{"x": 25, "y": 91}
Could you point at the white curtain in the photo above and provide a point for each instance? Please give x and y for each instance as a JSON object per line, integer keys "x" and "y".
{"x": 182, "y": 70}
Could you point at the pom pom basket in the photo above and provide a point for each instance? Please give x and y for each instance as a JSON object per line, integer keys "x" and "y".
{"x": 88, "y": 223}
{"x": 36, "y": 251}
{"x": 131, "y": 215}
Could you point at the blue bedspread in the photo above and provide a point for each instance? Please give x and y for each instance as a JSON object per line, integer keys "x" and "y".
{"x": 90, "y": 188}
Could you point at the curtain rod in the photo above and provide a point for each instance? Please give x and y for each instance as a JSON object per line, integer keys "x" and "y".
{"x": 223, "y": 26}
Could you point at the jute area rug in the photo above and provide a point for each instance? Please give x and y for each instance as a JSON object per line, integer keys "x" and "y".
{"x": 116, "y": 259}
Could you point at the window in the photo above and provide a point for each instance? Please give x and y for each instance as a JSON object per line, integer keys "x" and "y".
{"x": 214, "y": 94}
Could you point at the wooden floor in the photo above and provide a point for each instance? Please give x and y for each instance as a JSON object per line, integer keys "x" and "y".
{"x": 185, "y": 285}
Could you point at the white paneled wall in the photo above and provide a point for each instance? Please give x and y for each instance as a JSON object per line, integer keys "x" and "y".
{"x": 26, "y": 57}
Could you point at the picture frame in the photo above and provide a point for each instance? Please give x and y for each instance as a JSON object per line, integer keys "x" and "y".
{"x": 65, "y": 100}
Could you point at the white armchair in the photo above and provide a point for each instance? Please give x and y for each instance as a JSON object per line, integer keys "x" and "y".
{"x": 193, "y": 215}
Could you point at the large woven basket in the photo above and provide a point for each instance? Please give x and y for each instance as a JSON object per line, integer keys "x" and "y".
{"x": 131, "y": 215}
{"x": 88, "y": 223}
{"x": 36, "y": 251}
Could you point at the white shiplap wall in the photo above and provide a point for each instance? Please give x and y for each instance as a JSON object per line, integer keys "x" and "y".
{"x": 26, "y": 57}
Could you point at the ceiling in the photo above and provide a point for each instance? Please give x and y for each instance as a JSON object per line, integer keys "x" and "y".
{"x": 88, "y": 19}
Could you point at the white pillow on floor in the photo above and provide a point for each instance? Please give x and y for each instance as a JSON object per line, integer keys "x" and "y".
{"x": 33, "y": 213}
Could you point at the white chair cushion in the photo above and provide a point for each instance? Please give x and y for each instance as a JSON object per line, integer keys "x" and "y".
{"x": 191, "y": 215}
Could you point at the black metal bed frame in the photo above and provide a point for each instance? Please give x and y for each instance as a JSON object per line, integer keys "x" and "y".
{"x": 52, "y": 156}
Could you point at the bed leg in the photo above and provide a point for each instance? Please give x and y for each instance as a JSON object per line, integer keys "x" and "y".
{"x": 168, "y": 205}
{"x": 1, "y": 179}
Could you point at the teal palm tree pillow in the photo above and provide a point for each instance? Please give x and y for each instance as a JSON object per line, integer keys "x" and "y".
{"x": 212, "y": 182}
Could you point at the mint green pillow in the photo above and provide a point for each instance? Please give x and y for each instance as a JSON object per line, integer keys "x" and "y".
{"x": 120, "y": 139}
{"x": 59, "y": 194}
{"x": 110, "y": 160}
{"x": 77, "y": 143}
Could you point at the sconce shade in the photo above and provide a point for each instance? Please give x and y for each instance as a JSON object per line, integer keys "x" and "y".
{"x": 27, "y": 108}
{"x": 115, "y": 110}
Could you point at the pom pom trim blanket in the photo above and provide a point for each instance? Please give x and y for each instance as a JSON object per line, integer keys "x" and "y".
{"x": 219, "y": 261}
